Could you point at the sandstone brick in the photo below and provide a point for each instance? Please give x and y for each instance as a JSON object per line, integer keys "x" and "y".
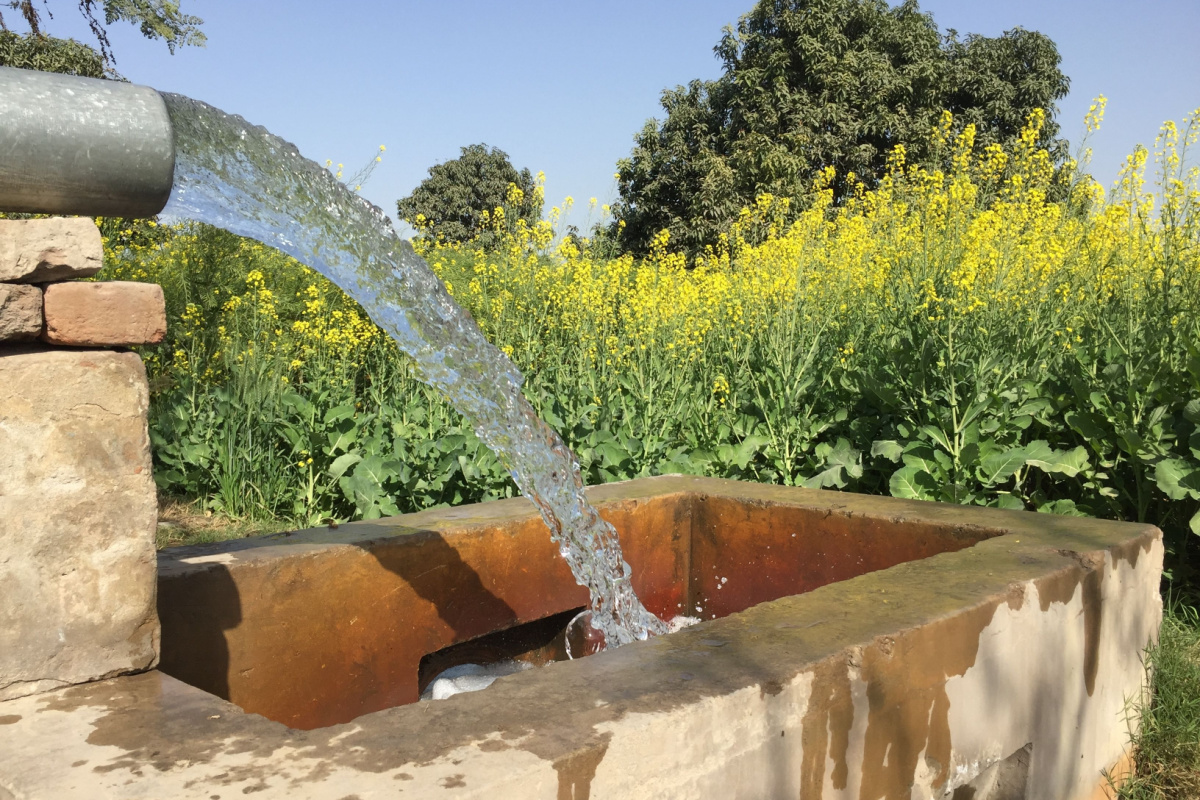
{"x": 20, "y": 312}
{"x": 104, "y": 314}
{"x": 45, "y": 250}
{"x": 77, "y": 519}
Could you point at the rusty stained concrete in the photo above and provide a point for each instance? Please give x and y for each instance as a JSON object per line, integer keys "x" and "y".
{"x": 903, "y": 683}
{"x": 266, "y": 624}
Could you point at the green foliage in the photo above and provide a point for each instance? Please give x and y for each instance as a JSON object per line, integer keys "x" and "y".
{"x": 45, "y": 53}
{"x": 455, "y": 202}
{"x": 156, "y": 19}
{"x": 981, "y": 414}
{"x": 930, "y": 340}
{"x": 816, "y": 84}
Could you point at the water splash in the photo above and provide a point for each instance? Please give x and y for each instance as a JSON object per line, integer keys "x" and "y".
{"x": 244, "y": 179}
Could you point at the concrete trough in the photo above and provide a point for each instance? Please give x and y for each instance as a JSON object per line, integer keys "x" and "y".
{"x": 853, "y": 647}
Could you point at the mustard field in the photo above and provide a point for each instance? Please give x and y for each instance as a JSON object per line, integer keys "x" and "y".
{"x": 1003, "y": 331}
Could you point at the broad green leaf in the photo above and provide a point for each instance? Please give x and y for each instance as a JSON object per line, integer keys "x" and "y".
{"x": 340, "y": 440}
{"x": 832, "y": 477}
{"x": 999, "y": 467}
{"x": 1068, "y": 462}
{"x": 913, "y": 483}
{"x": 888, "y": 448}
{"x": 843, "y": 454}
{"x": 338, "y": 413}
{"x": 1177, "y": 479}
{"x": 1010, "y": 501}
{"x": 1065, "y": 508}
{"x": 1194, "y": 524}
{"x": 1131, "y": 442}
{"x": 373, "y": 468}
{"x": 301, "y": 406}
{"x": 1086, "y": 425}
{"x": 342, "y": 463}
{"x": 1038, "y": 449}
{"x": 452, "y": 443}
{"x": 920, "y": 455}
{"x": 611, "y": 454}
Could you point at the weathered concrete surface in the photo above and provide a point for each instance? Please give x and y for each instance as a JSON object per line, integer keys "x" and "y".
{"x": 20, "y": 312}
{"x": 54, "y": 249}
{"x": 104, "y": 314}
{"x": 77, "y": 519}
{"x": 907, "y": 682}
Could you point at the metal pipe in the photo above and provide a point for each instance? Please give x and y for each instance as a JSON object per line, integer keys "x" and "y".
{"x": 71, "y": 145}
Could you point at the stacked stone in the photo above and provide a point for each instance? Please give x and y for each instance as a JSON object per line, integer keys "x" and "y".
{"x": 40, "y": 298}
{"x": 78, "y": 507}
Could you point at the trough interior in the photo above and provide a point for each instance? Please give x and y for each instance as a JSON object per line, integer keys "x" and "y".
{"x": 318, "y": 627}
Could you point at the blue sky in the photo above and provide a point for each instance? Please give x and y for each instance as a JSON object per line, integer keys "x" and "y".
{"x": 562, "y": 87}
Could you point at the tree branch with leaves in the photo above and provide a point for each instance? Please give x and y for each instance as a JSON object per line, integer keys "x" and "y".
{"x": 156, "y": 19}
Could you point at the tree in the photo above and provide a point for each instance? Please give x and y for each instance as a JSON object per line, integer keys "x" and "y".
{"x": 49, "y": 54}
{"x": 157, "y": 19}
{"x": 452, "y": 201}
{"x": 812, "y": 84}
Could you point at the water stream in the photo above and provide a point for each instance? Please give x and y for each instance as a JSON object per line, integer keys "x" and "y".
{"x": 244, "y": 179}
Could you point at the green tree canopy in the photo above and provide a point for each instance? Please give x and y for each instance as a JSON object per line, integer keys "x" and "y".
{"x": 811, "y": 84}
{"x": 451, "y": 202}
{"x": 48, "y": 54}
{"x": 157, "y": 19}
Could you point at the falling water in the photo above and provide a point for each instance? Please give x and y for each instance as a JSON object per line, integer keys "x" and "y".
{"x": 244, "y": 179}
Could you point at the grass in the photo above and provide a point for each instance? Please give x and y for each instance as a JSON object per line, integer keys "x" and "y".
{"x": 182, "y": 522}
{"x": 1167, "y": 748}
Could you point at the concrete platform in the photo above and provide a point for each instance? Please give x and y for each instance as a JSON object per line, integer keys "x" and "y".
{"x": 1002, "y": 669}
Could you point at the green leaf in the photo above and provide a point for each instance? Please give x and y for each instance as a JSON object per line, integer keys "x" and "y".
{"x": 920, "y": 455}
{"x": 1065, "y": 508}
{"x": 832, "y": 477}
{"x": 843, "y": 454}
{"x": 338, "y": 413}
{"x": 373, "y": 468}
{"x": 999, "y": 467}
{"x": 913, "y": 483}
{"x": 742, "y": 453}
{"x": 1194, "y": 524}
{"x": 1087, "y": 425}
{"x": 342, "y": 463}
{"x": 611, "y": 454}
{"x": 344, "y": 434}
{"x": 299, "y": 405}
{"x": 1177, "y": 479}
{"x": 888, "y": 448}
{"x": 1067, "y": 462}
{"x": 937, "y": 435}
{"x": 1010, "y": 501}
{"x": 1038, "y": 449}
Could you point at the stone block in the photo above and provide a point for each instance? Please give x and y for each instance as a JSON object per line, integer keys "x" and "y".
{"x": 104, "y": 314}
{"x": 45, "y": 250}
{"x": 77, "y": 519}
{"x": 20, "y": 312}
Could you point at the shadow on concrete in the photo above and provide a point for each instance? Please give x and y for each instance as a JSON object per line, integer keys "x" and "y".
{"x": 438, "y": 574}
{"x": 195, "y": 615}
